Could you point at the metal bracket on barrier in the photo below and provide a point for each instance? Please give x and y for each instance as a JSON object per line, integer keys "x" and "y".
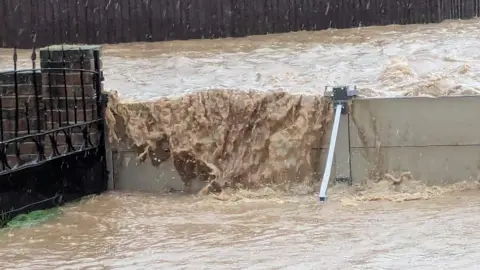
{"x": 340, "y": 95}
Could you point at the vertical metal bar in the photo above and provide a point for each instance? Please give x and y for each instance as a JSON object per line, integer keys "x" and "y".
{"x": 2, "y": 146}
{"x": 43, "y": 137}
{"x": 49, "y": 62}
{"x": 59, "y": 112}
{"x": 64, "y": 65}
{"x": 45, "y": 115}
{"x": 349, "y": 149}
{"x": 38, "y": 143}
{"x": 74, "y": 106}
{"x": 35, "y": 86}
{"x": 94, "y": 117}
{"x": 15, "y": 58}
{"x": 98, "y": 84}
{"x": 82, "y": 85}
{"x": 17, "y": 107}
{"x": 17, "y": 153}
{"x": 331, "y": 151}
{"x": 27, "y": 117}
{"x": 1, "y": 119}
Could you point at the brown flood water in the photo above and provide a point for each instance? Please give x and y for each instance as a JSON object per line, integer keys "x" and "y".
{"x": 368, "y": 227}
{"x": 139, "y": 231}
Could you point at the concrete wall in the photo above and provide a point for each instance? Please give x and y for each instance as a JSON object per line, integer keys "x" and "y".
{"x": 128, "y": 175}
{"x": 436, "y": 139}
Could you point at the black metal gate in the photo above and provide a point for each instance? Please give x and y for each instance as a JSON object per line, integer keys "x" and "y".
{"x": 52, "y": 148}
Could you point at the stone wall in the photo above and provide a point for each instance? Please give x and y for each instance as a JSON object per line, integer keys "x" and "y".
{"x": 28, "y": 100}
{"x": 69, "y": 95}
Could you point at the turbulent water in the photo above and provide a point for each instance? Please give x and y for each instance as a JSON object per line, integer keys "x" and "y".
{"x": 438, "y": 59}
{"x": 261, "y": 138}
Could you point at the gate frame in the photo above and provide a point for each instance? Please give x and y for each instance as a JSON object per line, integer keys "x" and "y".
{"x": 69, "y": 159}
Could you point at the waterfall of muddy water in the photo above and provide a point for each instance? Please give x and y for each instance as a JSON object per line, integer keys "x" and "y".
{"x": 244, "y": 114}
{"x": 230, "y": 139}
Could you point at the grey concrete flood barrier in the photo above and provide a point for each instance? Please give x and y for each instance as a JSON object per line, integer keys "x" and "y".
{"x": 435, "y": 139}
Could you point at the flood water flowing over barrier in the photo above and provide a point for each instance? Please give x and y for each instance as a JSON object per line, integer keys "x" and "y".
{"x": 115, "y": 21}
{"x": 216, "y": 151}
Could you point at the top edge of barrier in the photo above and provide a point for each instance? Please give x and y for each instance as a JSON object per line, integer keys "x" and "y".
{"x": 71, "y": 47}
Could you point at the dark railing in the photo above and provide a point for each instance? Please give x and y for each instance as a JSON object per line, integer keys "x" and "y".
{"x": 52, "y": 142}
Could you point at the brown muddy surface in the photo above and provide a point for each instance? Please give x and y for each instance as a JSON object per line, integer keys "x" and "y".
{"x": 262, "y": 139}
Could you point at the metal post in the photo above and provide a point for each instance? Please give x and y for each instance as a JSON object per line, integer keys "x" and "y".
{"x": 331, "y": 150}
{"x": 340, "y": 95}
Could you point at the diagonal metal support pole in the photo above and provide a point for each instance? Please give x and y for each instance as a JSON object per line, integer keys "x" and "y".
{"x": 341, "y": 96}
